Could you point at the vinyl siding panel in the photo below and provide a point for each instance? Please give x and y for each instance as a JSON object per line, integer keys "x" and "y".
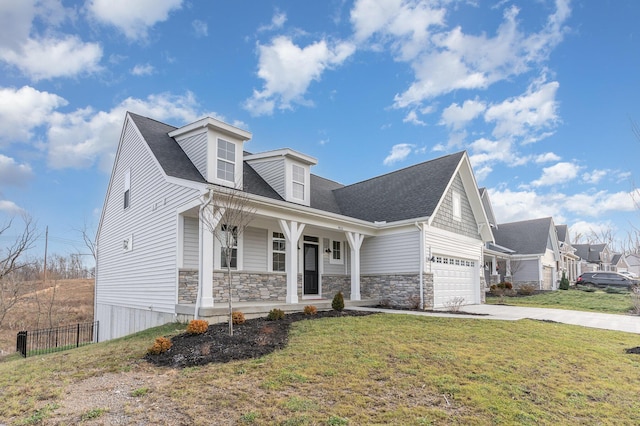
{"x": 389, "y": 254}
{"x": 196, "y": 149}
{"x": 444, "y": 243}
{"x": 525, "y": 270}
{"x": 255, "y": 249}
{"x": 273, "y": 173}
{"x": 145, "y": 277}
{"x": 190, "y": 243}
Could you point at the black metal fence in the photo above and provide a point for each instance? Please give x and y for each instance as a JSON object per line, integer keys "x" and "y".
{"x": 56, "y": 339}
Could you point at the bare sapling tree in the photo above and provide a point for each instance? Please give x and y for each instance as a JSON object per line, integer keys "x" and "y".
{"x": 12, "y": 260}
{"x": 230, "y": 215}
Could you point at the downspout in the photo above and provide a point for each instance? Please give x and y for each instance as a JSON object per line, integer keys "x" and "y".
{"x": 420, "y": 228}
{"x": 205, "y": 202}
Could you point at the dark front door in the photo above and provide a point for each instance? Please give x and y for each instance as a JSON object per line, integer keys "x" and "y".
{"x": 311, "y": 269}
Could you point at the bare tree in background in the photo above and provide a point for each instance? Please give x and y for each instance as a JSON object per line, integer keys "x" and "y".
{"x": 11, "y": 261}
{"x": 229, "y": 216}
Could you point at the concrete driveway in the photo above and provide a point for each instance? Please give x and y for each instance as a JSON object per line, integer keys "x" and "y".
{"x": 628, "y": 323}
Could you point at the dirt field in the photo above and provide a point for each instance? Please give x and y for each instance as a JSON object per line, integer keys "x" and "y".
{"x": 72, "y": 303}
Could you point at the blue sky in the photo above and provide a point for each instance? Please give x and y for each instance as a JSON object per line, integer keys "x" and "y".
{"x": 540, "y": 94}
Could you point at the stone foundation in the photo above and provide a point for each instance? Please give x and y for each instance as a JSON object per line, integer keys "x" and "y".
{"x": 397, "y": 289}
{"x": 332, "y": 284}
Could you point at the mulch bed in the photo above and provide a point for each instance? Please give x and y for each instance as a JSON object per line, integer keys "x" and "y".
{"x": 635, "y": 350}
{"x": 253, "y": 339}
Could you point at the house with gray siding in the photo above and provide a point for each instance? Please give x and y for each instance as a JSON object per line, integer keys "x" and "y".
{"x": 413, "y": 234}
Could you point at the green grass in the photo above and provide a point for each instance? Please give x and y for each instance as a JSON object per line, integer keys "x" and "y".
{"x": 379, "y": 369}
{"x": 598, "y": 301}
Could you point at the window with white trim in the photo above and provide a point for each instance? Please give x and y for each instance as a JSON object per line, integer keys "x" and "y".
{"x": 336, "y": 252}
{"x": 230, "y": 238}
{"x": 279, "y": 252}
{"x": 226, "y": 160}
{"x": 127, "y": 189}
{"x": 457, "y": 206}
{"x": 297, "y": 179}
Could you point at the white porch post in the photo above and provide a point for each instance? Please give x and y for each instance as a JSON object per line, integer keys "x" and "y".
{"x": 292, "y": 231}
{"x": 207, "y": 222}
{"x": 355, "y": 241}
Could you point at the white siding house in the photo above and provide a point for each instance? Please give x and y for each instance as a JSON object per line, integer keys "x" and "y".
{"x": 418, "y": 231}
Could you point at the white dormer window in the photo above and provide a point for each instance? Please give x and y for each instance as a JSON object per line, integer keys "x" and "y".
{"x": 297, "y": 177}
{"x": 226, "y": 160}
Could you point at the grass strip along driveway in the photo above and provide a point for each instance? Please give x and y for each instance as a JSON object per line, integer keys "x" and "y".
{"x": 378, "y": 369}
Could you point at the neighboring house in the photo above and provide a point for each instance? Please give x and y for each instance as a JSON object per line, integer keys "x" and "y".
{"x": 524, "y": 253}
{"x": 569, "y": 262}
{"x": 619, "y": 263}
{"x": 413, "y": 233}
{"x": 633, "y": 260}
{"x": 593, "y": 257}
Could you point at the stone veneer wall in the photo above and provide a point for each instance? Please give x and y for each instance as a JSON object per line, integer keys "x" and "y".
{"x": 397, "y": 289}
{"x": 247, "y": 286}
{"x": 332, "y": 284}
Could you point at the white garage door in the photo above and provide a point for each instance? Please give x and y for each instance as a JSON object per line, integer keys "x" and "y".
{"x": 454, "y": 279}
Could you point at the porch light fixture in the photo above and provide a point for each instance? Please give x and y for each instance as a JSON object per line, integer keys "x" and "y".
{"x": 327, "y": 250}
{"x": 432, "y": 259}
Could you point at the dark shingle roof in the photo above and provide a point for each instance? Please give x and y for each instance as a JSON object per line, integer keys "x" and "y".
{"x": 563, "y": 232}
{"x": 404, "y": 194}
{"x": 589, "y": 252}
{"x": 525, "y": 237}
{"x": 169, "y": 154}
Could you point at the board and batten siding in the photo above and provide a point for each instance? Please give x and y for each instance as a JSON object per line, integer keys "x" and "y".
{"x": 143, "y": 280}
{"x": 391, "y": 253}
{"x": 190, "y": 243}
{"x": 196, "y": 149}
{"x": 273, "y": 173}
{"x": 254, "y": 246}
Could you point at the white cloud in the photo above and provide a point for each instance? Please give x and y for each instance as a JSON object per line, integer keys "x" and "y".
{"x": 547, "y": 157}
{"x": 595, "y": 176}
{"x": 412, "y": 117}
{"x": 200, "y": 28}
{"x": 277, "y": 21}
{"x": 12, "y": 173}
{"x": 398, "y": 153}
{"x": 288, "y": 70}
{"x": 525, "y": 114}
{"x": 10, "y": 207}
{"x": 85, "y": 137}
{"x": 514, "y": 206}
{"x": 456, "y": 116}
{"x": 133, "y": 18}
{"x": 47, "y": 55}
{"x": 143, "y": 69}
{"x": 557, "y": 174}
{"x": 585, "y": 229}
{"x": 601, "y": 202}
{"x": 23, "y": 110}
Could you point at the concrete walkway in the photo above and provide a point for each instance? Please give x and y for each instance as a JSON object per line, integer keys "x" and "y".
{"x": 628, "y": 323}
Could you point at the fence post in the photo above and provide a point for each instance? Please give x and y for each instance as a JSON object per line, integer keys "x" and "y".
{"x": 21, "y": 343}
{"x": 78, "y": 336}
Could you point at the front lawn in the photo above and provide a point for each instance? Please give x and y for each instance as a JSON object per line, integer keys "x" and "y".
{"x": 598, "y": 301}
{"x": 377, "y": 369}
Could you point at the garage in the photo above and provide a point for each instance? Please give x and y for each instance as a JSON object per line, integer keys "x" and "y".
{"x": 547, "y": 278}
{"x": 454, "y": 279}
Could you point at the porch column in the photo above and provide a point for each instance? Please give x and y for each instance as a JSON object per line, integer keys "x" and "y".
{"x": 355, "y": 241}
{"x": 207, "y": 223}
{"x": 292, "y": 231}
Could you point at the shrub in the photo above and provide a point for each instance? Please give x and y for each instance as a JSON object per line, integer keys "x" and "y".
{"x": 310, "y": 310}
{"x": 414, "y": 301}
{"x": 615, "y": 290}
{"x": 564, "y": 282}
{"x": 454, "y": 304}
{"x": 505, "y": 285}
{"x": 197, "y": 326}
{"x": 526, "y": 289}
{"x": 338, "y": 302}
{"x": 275, "y": 314}
{"x": 237, "y": 318}
{"x": 161, "y": 345}
{"x": 385, "y": 303}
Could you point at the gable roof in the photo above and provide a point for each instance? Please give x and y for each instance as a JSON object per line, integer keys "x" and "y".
{"x": 563, "y": 232}
{"x": 525, "y": 237}
{"x": 408, "y": 193}
{"x": 590, "y": 252}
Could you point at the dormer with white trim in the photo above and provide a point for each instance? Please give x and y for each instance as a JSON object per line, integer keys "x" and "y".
{"x": 215, "y": 148}
{"x": 287, "y": 171}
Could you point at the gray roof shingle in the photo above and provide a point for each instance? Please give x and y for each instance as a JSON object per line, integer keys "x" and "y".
{"x": 525, "y": 237}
